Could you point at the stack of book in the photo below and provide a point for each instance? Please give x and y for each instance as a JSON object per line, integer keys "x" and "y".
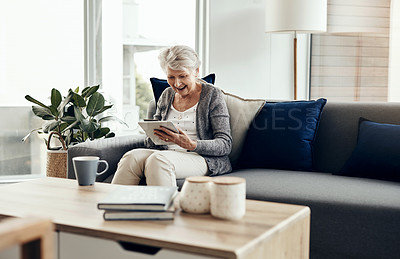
{"x": 139, "y": 203}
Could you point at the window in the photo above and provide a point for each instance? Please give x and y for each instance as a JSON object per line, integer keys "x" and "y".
{"x": 350, "y": 68}
{"x": 46, "y": 44}
{"x": 149, "y": 26}
{"x": 351, "y": 63}
{"x": 41, "y": 47}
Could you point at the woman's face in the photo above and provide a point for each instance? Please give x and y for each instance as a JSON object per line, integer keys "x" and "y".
{"x": 181, "y": 81}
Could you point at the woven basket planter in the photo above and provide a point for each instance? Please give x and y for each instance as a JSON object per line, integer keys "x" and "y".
{"x": 56, "y": 165}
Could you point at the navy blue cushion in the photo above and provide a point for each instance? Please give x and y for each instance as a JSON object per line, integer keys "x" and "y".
{"x": 159, "y": 85}
{"x": 282, "y": 135}
{"x": 377, "y": 153}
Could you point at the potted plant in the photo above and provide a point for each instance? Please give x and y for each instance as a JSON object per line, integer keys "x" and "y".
{"x": 73, "y": 119}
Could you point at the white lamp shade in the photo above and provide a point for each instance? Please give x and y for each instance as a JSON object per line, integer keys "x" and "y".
{"x": 306, "y": 16}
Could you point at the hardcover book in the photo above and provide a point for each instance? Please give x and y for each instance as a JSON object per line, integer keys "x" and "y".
{"x": 139, "y": 198}
{"x": 140, "y": 215}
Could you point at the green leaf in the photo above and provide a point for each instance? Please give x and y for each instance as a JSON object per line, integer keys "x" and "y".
{"x": 53, "y": 110}
{"x": 55, "y": 98}
{"x": 29, "y": 134}
{"x": 48, "y": 117}
{"x": 78, "y": 114}
{"x": 76, "y": 136}
{"x": 88, "y": 126}
{"x": 110, "y": 135}
{"x": 50, "y": 126}
{"x": 113, "y": 118}
{"x": 66, "y": 100}
{"x": 41, "y": 112}
{"x": 95, "y": 104}
{"x": 85, "y": 90}
{"x": 68, "y": 119}
{"x": 88, "y": 91}
{"x": 77, "y": 90}
{"x": 78, "y": 100}
{"x": 63, "y": 126}
{"x": 71, "y": 126}
{"x": 106, "y": 107}
{"x": 85, "y": 136}
{"x": 101, "y": 132}
{"x": 31, "y": 99}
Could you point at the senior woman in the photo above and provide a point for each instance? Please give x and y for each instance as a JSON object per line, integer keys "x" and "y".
{"x": 198, "y": 109}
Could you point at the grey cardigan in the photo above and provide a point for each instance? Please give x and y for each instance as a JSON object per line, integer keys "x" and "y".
{"x": 213, "y": 129}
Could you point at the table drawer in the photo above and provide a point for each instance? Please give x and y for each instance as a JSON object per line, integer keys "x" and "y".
{"x": 83, "y": 247}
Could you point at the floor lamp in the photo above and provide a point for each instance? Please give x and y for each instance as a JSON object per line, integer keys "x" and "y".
{"x": 295, "y": 16}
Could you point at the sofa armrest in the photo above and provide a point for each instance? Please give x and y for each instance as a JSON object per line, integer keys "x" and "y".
{"x": 110, "y": 149}
{"x": 151, "y": 109}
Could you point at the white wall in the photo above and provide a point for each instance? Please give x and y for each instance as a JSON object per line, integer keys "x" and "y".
{"x": 249, "y": 62}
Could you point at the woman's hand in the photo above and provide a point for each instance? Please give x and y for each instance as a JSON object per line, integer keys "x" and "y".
{"x": 181, "y": 138}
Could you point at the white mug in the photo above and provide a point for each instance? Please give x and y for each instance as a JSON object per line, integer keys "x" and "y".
{"x": 86, "y": 167}
{"x": 195, "y": 194}
{"x": 228, "y": 197}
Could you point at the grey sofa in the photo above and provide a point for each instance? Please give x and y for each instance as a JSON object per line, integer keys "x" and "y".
{"x": 350, "y": 217}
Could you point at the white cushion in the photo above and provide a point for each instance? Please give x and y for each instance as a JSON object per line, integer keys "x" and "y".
{"x": 242, "y": 112}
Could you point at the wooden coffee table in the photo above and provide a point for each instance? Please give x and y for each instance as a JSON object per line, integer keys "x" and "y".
{"x": 272, "y": 230}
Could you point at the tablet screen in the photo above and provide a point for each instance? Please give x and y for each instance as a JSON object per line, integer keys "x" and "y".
{"x": 150, "y": 126}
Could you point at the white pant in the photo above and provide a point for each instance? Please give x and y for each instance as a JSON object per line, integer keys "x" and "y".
{"x": 160, "y": 167}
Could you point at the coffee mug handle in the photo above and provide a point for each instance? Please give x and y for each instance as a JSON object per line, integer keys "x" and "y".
{"x": 105, "y": 170}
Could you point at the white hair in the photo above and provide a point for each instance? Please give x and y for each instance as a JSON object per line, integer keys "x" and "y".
{"x": 179, "y": 57}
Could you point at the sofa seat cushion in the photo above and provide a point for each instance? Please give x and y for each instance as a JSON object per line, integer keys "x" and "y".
{"x": 349, "y": 215}
{"x": 300, "y": 186}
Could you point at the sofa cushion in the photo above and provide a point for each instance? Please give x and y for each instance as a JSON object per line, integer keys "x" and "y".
{"x": 376, "y": 154}
{"x": 282, "y": 136}
{"x": 350, "y": 217}
{"x": 303, "y": 187}
{"x": 241, "y": 114}
{"x": 159, "y": 85}
{"x": 338, "y": 130}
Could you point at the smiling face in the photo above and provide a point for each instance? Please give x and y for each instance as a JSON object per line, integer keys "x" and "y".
{"x": 181, "y": 81}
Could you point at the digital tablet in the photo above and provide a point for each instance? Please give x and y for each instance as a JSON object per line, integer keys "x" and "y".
{"x": 150, "y": 126}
